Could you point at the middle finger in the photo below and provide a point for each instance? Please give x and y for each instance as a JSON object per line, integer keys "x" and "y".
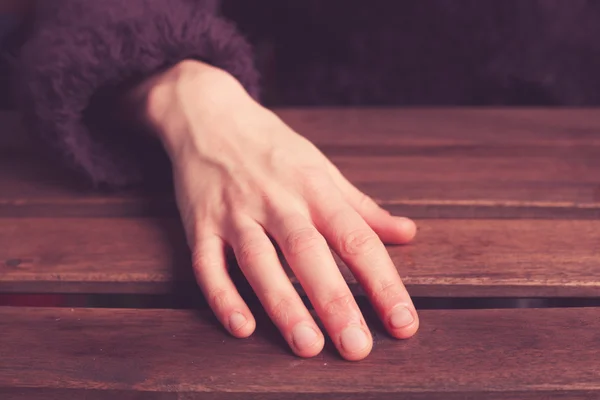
{"x": 311, "y": 260}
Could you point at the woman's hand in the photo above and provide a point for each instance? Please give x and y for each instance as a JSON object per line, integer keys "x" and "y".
{"x": 243, "y": 178}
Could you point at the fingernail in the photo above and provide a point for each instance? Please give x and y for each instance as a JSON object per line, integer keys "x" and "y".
{"x": 406, "y": 224}
{"x": 237, "y": 321}
{"x": 304, "y": 336}
{"x": 401, "y": 317}
{"x": 353, "y": 339}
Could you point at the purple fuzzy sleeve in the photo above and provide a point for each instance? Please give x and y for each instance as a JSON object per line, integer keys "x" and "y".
{"x": 80, "y": 52}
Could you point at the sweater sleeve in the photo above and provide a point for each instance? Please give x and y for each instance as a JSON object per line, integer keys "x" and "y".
{"x": 80, "y": 52}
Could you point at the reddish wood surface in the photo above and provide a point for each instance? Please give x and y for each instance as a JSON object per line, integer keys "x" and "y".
{"x": 542, "y": 354}
{"x": 426, "y": 163}
{"x": 459, "y": 258}
{"x": 509, "y": 205}
{"x": 445, "y": 164}
{"x": 446, "y": 126}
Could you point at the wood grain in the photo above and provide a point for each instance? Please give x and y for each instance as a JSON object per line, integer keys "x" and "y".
{"x": 509, "y": 202}
{"x": 422, "y": 163}
{"x": 457, "y": 354}
{"x": 442, "y": 187}
{"x": 450, "y": 258}
{"x": 410, "y": 126}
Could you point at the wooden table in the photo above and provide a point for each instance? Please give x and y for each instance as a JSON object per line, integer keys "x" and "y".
{"x": 508, "y": 206}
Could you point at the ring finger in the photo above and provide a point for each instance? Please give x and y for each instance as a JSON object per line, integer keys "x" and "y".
{"x": 260, "y": 264}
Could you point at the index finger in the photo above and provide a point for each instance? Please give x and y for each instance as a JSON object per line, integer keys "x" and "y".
{"x": 362, "y": 250}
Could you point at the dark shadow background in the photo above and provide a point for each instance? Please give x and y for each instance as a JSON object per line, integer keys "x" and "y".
{"x": 426, "y": 52}
{"x": 418, "y": 52}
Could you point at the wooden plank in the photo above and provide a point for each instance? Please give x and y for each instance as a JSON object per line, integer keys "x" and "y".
{"x": 423, "y": 163}
{"x": 457, "y": 354}
{"x": 41, "y": 394}
{"x": 425, "y": 187}
{"x": 479, "y": 186}
{"x": 413, "y": 126}
{"x": 450, "y": 258}
{"x": 441, "y": 187}
{"x": 464, "y": 163}
{"x": 437, "y": 127}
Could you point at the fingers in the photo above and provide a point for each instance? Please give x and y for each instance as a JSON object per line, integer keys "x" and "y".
{"x": 362, "y": 250}
{"x": 260, "y": 264}
{"x": 224, "y": 299}
{"x": 391, "y": 229}
{"x": 309, "y": 256}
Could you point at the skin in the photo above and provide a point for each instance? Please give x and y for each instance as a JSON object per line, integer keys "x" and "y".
{"x": 245, "y": 180}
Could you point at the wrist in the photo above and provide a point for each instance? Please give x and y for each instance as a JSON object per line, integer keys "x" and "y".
{"x": 185, "y": 99}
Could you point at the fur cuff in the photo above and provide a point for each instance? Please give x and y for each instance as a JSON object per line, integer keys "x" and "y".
{"x": 79, "y": 48}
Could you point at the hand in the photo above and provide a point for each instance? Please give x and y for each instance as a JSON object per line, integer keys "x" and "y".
{"x": 243, "y": 178}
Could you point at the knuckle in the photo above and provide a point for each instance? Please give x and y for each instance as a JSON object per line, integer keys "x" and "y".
{"x": 314, "y": 179}
{"x": 387, "y": 292}
{"x": 366, "y": 202}
{"x": 359, "y": 242}
{"x": 278, "y": 156}
{"x": 218, "y": 299}
{"x": 303, "y": 240}
{"x": 279, "y": 308}
{"x": 202, "y": 261}
{"x": 339, "y": 304}
{"x": 239, "y": 193}
{"x": 250, "y": 249}
{"x": 235, "y": 195}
